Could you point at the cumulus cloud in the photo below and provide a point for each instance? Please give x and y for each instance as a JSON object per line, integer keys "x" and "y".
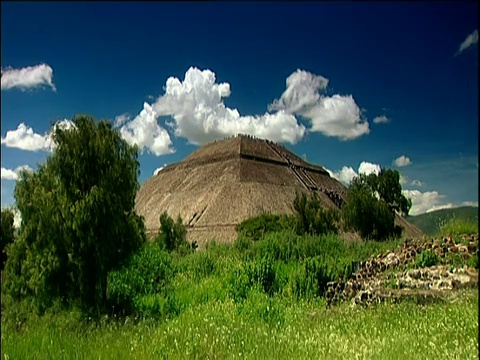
{"x": 25, "y": 138}
{"x": 347, "y": 173}
{"x": 423, "y": 202}
{"x": 368, "y": 168}
{"x": 8, "y": 174}
{"x": 403, "y": 179}
{"x": 335, "y": 116}
{"x": 382, "y": 119}
{"x": 471, "y": 40}
{"x": 145, "y": 132}
{"x": 402, "y": 161}
{"x": 200, "y": 115}
{"x": 302, "y": 92}
{"x": 28, "y": 77}
{"x": 121, "y": 119}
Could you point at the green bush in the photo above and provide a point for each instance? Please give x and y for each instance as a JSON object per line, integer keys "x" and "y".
{"x": 259, "y": 273}
{"x": 173, "y": 235}
{"x": 256, "y": 227}
{"x": 310, "y": 280}
{"x": 312, "y": 218}
{"x": 427, "y": 258}
{"x": 148, "y": 272}
{"x": 369, "y": 216}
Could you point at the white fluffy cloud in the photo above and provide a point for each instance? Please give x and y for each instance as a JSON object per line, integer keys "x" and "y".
{"x": 302, "y": 92}
{"x": 402, "y": 161}
{"x": 423, "y": 202}
{"x": 8, "y": 174}
{"x": 121, "y": 119}
{"x": 28, "y": 77}
{"x": 336, "y": 116}
{"x": 25, "y": 138}
{"x": 200, "y": 115}
{"x": 382, "y": 119}
{"x": 471, "y": 40}
{"x": 368, "y": 168}
{"x": 347, "y": 173}
{"x": 145, "y": 132}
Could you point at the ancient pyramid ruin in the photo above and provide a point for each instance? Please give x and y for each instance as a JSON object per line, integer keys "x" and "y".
{"x": 225, "y": 182}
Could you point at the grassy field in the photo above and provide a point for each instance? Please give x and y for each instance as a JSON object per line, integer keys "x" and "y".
{"x": 431, "y": 223}
{"x": 250, "y": 300}
{"x": 261, "y": 328}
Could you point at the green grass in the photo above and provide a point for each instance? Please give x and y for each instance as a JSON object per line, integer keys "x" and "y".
{"x": 226, "y": 330}
{"x": 430, "y": 223}
{"x": 239, "y": 301}
{"x": 458, "y": 226}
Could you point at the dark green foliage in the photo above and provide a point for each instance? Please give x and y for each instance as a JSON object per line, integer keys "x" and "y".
{"x": 312, "y": 218}
{"x": 387, "y": 183}
{"x": 7, "y": 235}
{"x": 173, "y": 235}
{"x": 78, "y": 221}
{"x": 427, "y": 258}
{"x": 371, "y": 205}
{"x": 148, "y": 272}
{"x": 254, "y": 228}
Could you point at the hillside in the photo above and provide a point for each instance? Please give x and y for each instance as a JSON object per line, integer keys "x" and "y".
{"x": 429, "y": 222}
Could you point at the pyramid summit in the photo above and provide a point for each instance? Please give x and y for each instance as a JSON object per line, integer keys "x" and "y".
{"x": 225, "y": 182}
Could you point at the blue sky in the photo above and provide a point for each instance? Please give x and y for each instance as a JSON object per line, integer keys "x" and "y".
{"x": 350, "y": 86}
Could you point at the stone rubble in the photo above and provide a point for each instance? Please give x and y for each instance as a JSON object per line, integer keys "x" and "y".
{"x": 370, "y": 284}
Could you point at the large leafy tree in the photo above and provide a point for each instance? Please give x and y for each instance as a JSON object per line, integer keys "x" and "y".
{"x": 373, "y": 201}
{"x": 78, "y": 221}
{"x": 387, "y": 185}
{"x": 8, "y": 232}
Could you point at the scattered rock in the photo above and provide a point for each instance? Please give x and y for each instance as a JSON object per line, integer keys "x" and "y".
{"x": 369, "y": 284}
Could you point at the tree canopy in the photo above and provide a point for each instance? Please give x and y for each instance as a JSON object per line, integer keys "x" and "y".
{"x": 78, "y": 221}
{"x": 8, "y": 232}
{"x": 373, "y": 201}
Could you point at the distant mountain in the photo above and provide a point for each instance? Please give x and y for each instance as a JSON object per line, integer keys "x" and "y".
{"x": 430, "y": 222}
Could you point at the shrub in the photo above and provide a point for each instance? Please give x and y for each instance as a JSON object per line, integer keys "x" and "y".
{"x": 173, "y": 235}
{"x": 256, "y": 227}
{"x": 369, "y": 216}
{"x": 311, "y": 279}
{"x": 312, "y": 218}
{"x": 148, "y": 272}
